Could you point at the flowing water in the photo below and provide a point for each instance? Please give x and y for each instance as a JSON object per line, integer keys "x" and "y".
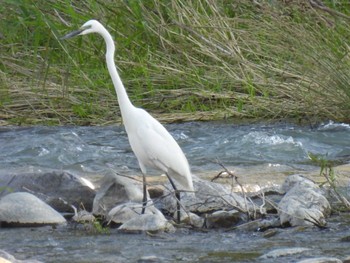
{"x": 93, "y": 150}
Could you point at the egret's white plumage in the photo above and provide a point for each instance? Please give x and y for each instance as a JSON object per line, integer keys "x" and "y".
{"x": 150, "y": 141}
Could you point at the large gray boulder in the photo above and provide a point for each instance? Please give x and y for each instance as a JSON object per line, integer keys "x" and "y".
{"x": 59, "y": 189}
{"x": 303, "y": 203}
{"x": 25, "y": 209}
{"x": 115, "y": 190}
{"x": 208, "y": 198}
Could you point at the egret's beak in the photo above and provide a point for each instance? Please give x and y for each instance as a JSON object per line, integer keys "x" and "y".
{"x": 74, "y": 33}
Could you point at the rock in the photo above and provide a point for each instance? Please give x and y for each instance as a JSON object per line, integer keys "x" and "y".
{"x": 223, "y": 219}
{"x": 292, "y": 180}
{"x": 209, "y": 197}
{"x": 155, "y": 191}
{"x": 116, "y": 190}
{"x": 303, "y": 204}
{"x": 192, "y": 219}
{"x": 270, "y": 233}
{"x": 345, "y": 239}
{"x": 25, "y": 209}
{"x": 83, "y": 216}
{"x": 59, "y": 189}
{"x": 346, "y": 260}
{"x": 147, "y": 222}
{"x": 8, "y": 258}
{"x": 321, "y": 260}
{"x": 2, "y": 260}
{"x": 261, "y": 224}
{"x": 149, "y": 259}
{"x": 283, "y": 252}
{"x": 124, "y": 212}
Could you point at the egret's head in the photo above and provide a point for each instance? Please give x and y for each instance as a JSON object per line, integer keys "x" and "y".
{"x": 91, "y": 26}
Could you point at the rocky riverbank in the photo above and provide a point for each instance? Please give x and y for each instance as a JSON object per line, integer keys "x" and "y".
{"x": 115, "y": 201}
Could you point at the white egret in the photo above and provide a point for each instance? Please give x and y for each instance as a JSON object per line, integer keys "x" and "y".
{"x": 151, "y": 143}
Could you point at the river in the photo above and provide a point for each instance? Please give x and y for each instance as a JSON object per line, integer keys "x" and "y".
{"x": 281, "y": 147}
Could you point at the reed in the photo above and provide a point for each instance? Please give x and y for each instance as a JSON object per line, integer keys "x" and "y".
{"x": 180, "y": 59}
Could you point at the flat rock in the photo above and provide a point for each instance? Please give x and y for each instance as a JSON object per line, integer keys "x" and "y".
{"x": 25, "y": 209}
{"x": 283, "y": 252}
{"x": 150, "y": 259}
{"x": 261, "y": 224}
{"x": 124, "y": 212}
{"x": 321, "y": 260}
{"x": 303, "y": 204}
{"x": 115, "y": 190}
{"x": 147, "y": 222}
{"x": 59, "y": 189}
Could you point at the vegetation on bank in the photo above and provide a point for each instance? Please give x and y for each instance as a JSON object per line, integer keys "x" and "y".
{"x": 179, "y": 59}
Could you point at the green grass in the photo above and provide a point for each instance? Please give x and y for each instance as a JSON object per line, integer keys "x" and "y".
{"x": 180, "y": 57}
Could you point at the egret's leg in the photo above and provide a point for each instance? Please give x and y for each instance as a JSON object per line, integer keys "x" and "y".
{"x": 177, "y": 195}
{"x": 144, "y": 200}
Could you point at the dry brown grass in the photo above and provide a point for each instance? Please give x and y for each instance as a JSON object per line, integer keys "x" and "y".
{"x": 182, "y": 61}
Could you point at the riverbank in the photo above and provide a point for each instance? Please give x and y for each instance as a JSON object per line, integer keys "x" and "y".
{"x": 200, "y": 60}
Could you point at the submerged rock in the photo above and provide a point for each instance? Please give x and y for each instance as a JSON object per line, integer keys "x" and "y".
{"x": 150, "y": 259}
{"x": 116, "y": 190}
{"x": 261, "y": 224}
{"x": 303, "y": 204}
{"x": 25, "y": 209}
{"x": 147, "y": 222}
{"x": 283, "y": 252}
{"x": 59, "y": 189}
{"x": 321, "y": 260}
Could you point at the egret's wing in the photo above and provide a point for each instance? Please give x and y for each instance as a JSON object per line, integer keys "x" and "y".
{"x": 160, "y": 146}
{"x": 155, "y": 147}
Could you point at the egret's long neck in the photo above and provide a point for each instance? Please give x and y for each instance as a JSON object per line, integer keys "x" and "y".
{"x": 123, "y": 99}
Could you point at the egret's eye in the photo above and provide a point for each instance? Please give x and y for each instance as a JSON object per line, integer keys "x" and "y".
{"x": 86, "y": 27}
